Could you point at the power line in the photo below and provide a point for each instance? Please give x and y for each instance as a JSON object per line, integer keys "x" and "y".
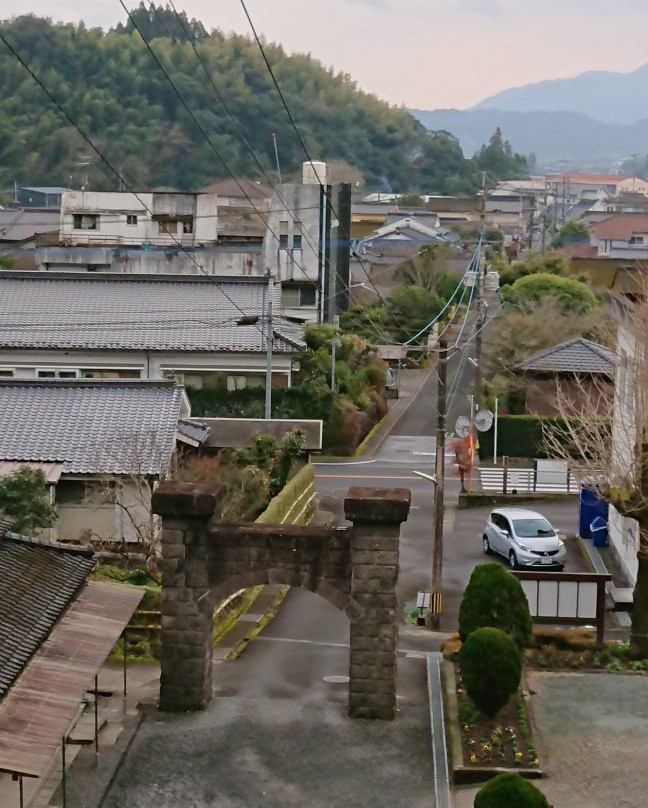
{"x": 101, "y": 156}
{"x": 201, "y": 129}
{"x": 302, "y": 143}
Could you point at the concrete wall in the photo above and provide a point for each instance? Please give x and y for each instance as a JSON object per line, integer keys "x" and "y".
{"x": 150, "y": 211}
{"x": 226, "y": 433}
{"x": 355, "y": 568}
{"x": 169, "y": 261}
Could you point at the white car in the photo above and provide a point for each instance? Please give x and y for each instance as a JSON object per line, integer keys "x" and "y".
{"x": 524, "y": 538}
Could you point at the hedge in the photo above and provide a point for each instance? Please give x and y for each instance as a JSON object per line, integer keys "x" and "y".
{"x": 519, "y": 435}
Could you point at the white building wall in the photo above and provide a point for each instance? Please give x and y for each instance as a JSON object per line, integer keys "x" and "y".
{"x": 623, "y": 533}
{"x": 118, "y": 217}
{"x": 292, "y": 240}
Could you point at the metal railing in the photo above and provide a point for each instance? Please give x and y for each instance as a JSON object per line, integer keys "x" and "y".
{"x": 506, "y": 480}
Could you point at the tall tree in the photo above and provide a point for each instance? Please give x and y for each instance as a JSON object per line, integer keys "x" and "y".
{"x": 499, "y": 159}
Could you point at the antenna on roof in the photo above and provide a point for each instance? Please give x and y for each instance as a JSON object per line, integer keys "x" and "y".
{"x": 274, "y": 140}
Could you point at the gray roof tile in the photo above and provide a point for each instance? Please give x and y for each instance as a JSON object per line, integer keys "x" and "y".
{"x": 138, "y": 312}
{"x": 121, "y": 427}
{"x": 575, "y": 356}
{"x": 38, "y": 581}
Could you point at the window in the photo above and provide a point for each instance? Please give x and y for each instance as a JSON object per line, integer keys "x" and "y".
{"x": 283, "y": 241}
{"x": 636, "y": 239}
{"x": 297, "y": 241}
{"x": 85, "y": 221}
{"x": 168, "y": 227}
{"x": 57, "y": 373}
{"x": 187, "y": 227}
{"x": 295, "y": 296}
{"x": 131, "y": 219}
{"x": 5, "y": 373}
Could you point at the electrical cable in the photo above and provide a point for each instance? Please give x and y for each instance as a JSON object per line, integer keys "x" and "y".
{"x": 104, "y": 159}
{"x": 303, "y": 144}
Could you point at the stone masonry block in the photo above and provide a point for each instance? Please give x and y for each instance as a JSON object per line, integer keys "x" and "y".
{"x": 174, "y": 498}
{"x": 382, "y": 505}
{"x": 375, "y": 543}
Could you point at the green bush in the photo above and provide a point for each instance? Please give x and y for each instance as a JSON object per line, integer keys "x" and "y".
{"x": 510, "y": 790}
{"x": 519, "y": 435}
{"x": 491, "y": 668}
{"x": 494, "y": 597}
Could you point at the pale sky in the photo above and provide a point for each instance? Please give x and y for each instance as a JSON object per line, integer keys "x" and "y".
{"x": 421, "y": 53}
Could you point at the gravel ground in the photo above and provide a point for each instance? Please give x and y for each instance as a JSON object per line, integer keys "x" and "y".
{"x": 592, "y": 737}
{"x": 244, "y": 754}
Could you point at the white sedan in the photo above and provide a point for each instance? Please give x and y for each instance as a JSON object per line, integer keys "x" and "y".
{"x": 524, "y": 538}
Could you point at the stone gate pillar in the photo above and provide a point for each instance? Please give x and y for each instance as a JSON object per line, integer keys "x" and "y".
{"x": 186, "y": 630}
{"x": 376, "y": 514}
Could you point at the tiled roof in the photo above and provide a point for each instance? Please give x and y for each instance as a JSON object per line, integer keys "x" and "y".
{"x": 138, "y": 312}
{"x": 107, "y": 427}
{"x": 575, "y": 356}
{"x": 38, "y": 581}
{"x": 195, "y": 431}
{"x": 620, "y": 226}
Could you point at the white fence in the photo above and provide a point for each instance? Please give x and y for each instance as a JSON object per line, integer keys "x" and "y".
{"x": 546, "y": 477}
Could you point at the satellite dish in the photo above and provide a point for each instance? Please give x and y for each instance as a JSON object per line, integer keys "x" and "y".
{"x": 483, "y": 420}
{"x": 462, "y": 426}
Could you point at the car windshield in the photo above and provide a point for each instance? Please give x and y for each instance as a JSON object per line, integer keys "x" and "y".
{"x": 532, "y": 528}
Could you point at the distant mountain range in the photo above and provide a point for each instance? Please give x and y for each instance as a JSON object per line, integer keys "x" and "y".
{"x": 597, "y": 117}
{"x": 608, "y": 97}
{"x": 550, "y": 135}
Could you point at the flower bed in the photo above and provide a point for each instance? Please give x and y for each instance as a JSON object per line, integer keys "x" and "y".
{"x": 503, "y": 742}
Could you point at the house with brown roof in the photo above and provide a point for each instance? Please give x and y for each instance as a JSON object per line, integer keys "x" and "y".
{"x": 621, "y": 235}
{"x": 56, "y": 630}
{"x": 571, "y": 376}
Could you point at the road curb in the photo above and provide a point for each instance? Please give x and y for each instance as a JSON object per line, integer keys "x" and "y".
{"x": 394, "y": 415}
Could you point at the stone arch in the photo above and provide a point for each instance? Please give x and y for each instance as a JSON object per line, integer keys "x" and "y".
{"x": 332, "y": 594}
{"x": 355, "y": 569}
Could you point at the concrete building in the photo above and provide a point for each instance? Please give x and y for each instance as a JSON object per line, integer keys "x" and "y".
{"x": 307, "y": 243}
{"x": 116, "y": 218}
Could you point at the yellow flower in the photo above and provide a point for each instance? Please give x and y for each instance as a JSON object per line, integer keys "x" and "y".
{"x": 518, "y": 756}
{"x": 473, "y": 758}
{"x": 534, "y": 762}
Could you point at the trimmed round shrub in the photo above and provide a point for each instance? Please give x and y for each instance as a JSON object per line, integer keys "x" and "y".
{"x": 494, "y": 597}
{"x": 510, "y": 791}
{"x": 491, "y": 668}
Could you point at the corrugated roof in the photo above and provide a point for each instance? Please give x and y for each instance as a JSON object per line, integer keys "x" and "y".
{"x": 38, "y": 581}
{"x": 138, "y": 312}
{"x": 39, "y": 709}
{"x": 107, "y": 427}
{"x": 23, "y": 223}
{"x": 575, "y": 356}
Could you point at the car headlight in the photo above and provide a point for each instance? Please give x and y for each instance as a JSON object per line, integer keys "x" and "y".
{"x": 561, "y": 545}
{"x": 523, "y": 547}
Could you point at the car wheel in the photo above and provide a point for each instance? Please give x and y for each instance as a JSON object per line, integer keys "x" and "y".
{"x": 486, "y": 545}
{"x": 513, "y": 561}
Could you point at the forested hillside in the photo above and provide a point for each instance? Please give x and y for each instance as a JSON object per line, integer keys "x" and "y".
{"x": 111, "y": 87}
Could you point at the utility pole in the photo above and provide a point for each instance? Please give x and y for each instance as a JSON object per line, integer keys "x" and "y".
{"x": 269, "y": 340}
{"x": 481, "y": 267}
{"x": 543, "y": 236}
{"x": 439, "y": 471}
